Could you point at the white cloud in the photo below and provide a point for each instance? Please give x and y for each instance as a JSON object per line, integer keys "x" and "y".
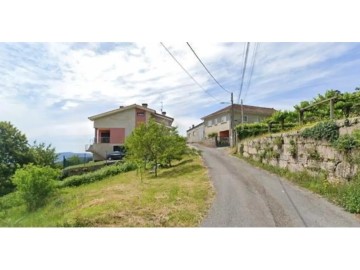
{"x": 69, "y": 82}
{"x": 69, "y": 104}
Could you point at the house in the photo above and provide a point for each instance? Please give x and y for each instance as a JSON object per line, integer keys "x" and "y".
{"x": 219, "y": 122}
{"x": 196, "y": 133}
{"x": 111, "y": 128}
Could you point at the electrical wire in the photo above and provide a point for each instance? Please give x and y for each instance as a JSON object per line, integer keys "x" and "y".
{"x": 257, "y": 45}
{"x": 173, "y": 57}
{"x": 206, "y": 68}
{"x": 243, "y": 71}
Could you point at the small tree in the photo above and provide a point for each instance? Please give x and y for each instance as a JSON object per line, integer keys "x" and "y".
{"x": 146, "y": 144}
{"x": 155, "y": 143}
{"x": 14, "y": 152}
{"x": 175, "y": 146}
{"x": 279, "y": 116}
{"x": 35, "y": 184}
{"x": 43, "y": 155}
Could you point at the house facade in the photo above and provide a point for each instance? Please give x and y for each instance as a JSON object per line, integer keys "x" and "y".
{"x": 196, "y": 133}
{"x": 219, "y": 122}
{"x": 111, "y": 128}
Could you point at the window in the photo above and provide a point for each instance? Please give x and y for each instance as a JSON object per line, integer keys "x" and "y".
{"x": 223, "y": 119}
{"x": 209, "y": 123}
{"x": 215, "y": 121}
{"x": 104, "y": 136}
{"x": 140, "y": 113}
{"x": 245, "y": 118}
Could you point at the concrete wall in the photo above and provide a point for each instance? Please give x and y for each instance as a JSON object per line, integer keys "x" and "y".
{"x": 196, "y": 134}
{"x": 298, "y": 154}
{"x": 251, "y": 118}
{"x": 125, "y": 119}
{"x": 222, "y": 126}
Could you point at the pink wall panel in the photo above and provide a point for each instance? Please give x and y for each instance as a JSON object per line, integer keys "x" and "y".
{"x": 140, "y": 117}
{"x": 117, "y": 135}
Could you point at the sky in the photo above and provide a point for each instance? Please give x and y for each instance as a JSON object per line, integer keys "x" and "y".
{"x": 48, "y": 90}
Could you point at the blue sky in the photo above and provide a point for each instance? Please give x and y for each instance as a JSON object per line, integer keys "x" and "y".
{"x": 48, "y": 90}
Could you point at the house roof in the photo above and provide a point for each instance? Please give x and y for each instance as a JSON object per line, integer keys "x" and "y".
{"x": 202, "y": 123}
{"x": 246, "y": 108}
{"x": 125, "y": 108}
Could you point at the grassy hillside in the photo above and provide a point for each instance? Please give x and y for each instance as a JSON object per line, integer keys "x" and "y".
{"x": 180, "y": 196}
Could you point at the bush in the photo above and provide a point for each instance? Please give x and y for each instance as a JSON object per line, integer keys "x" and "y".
{"x": 350, "y": 197}
{"x": 322, "y": 131}
{"x": 98, "y": 175}
{"x": 346, "y": 143}
{"x": 35, "y": 184}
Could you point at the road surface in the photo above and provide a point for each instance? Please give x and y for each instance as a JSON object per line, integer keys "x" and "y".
{"x": 250, "y": 197}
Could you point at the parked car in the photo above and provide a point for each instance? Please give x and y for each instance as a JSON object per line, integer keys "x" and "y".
{"x": 116, "y": 155}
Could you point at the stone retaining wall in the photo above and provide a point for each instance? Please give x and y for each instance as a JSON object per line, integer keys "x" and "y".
{"x": 290, "y": 150}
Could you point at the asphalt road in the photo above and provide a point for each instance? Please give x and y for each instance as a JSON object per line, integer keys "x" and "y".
{"x": 250, "y": 197}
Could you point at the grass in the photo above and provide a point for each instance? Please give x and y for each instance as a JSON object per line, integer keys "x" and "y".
{"x": 179, "y": 197}
{"x": 86, "y": 165}
{"x": 346, "y": 195}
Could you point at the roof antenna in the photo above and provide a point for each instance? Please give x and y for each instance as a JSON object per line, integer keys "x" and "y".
{"x": 161, "y": 106}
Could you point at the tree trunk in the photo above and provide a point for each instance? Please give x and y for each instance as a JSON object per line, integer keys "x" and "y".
{"x": 156, "y": 167}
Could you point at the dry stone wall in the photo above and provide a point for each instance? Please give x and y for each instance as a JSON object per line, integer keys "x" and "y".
{"x": 292, "y": 151}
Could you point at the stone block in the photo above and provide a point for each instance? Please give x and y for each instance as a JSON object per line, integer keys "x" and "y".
{"x": 344, "y": 170}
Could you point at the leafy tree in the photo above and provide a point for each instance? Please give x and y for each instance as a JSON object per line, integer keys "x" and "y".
{"x": 74, "y": 160}
{"x": 35, "y": 184}
{"x": 175, "y": 147}
{"x": 279, "y": 116}
{"x": 154, "y": 143}
{"x": 14, "y": 152}
{"x": 43, "y": 155}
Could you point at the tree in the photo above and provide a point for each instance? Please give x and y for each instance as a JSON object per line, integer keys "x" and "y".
{"x": 154, "y": 143}
{"x": 43, "y": 155}
{"x": 280, "y": 116}
{"x": 35, "y": 184}
{"x": 146, "y": 143}
{"x": 14, "y": 152}
{"x": 74, "y": 160}
{"x": 175, "y": 147}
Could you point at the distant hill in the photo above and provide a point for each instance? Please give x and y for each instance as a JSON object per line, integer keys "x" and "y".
{"x": 70, "y": 154}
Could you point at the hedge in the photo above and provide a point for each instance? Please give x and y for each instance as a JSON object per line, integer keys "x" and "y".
{"x": 98, "y": 175}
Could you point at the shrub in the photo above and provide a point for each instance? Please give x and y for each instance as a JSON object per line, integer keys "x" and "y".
{"x": 314, "y": 154}
{"x": 322, "y": 131}
{"x": 346, "y": 143}
{"x": 212, "y": 135}
{"x": 293, "y": 148}
{"x": 350, "y": 197}
{"x": 98, "y": 175}
{"x": 241, "y": 149}
{"x": 35, "y": 184}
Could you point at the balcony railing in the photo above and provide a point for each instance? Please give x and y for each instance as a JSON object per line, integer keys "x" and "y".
{"x": 101, "y": 140}
{"x": 104, "y": 140}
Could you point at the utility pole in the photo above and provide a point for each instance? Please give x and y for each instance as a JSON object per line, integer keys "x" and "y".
{"x": 242, "y": 115}
{"x": 232, "y": 143}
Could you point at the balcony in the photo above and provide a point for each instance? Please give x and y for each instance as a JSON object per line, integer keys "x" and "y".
{"x": 103, "y": 140}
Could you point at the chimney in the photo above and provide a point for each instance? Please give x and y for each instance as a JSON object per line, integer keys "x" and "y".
{"x": 121, "y": 106}
{"x": 193, "y": 126}
{"x": 144, "y": 105}
{"x": 163, "y": 113}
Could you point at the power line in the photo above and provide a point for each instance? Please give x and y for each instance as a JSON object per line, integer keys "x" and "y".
{"x": 173, "y": 57}
{"x": 206, "y": 68}
{"x": 257, "y": 45}
{"x": 244, "y": 68}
